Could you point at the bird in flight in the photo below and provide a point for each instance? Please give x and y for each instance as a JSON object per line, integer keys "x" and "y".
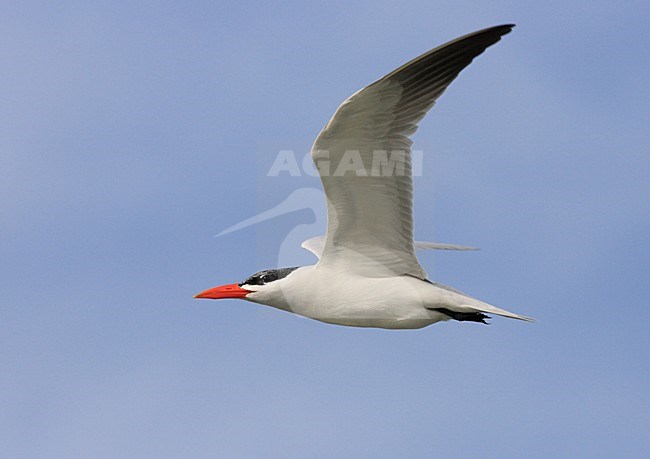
{"x": 368, "y": 274}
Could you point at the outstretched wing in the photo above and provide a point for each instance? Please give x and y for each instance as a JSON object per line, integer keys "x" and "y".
{"x": 364, "y": 158}
{"x": 316, "y": 244}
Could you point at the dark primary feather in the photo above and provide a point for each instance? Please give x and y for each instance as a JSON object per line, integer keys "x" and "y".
{"x": 426, "y": 77}
{"x": 463, "y": 316}
{"x": 370, "y": 215}
{"x": 421, "y": 80}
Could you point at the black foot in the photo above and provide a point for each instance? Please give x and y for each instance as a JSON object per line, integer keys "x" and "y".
{"x": 463, "y": 316}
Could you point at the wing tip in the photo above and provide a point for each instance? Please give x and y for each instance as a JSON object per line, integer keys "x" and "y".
{"x": 506, "y": 27}
{"x": 495, "y": 31}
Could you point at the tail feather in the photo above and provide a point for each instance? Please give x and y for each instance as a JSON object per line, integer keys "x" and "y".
{"x": 459, "y": 302}
{"x": 484, "y": 307}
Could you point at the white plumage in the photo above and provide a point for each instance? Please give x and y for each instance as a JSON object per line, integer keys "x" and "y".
{"x": 367, "y": 274}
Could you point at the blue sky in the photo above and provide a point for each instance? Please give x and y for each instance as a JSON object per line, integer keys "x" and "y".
{"x": 133, "y": 132}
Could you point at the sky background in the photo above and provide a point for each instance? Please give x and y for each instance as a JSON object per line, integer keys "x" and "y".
{"x": 131, "y": 133}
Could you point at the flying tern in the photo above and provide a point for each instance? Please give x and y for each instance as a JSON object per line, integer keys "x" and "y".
{"x": 368, "y": 274}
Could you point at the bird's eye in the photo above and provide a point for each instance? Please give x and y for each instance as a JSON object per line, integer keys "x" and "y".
{"x": 266, "y": 278}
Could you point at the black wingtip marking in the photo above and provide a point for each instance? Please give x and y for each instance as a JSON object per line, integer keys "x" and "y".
{"x": 463, "y": 316}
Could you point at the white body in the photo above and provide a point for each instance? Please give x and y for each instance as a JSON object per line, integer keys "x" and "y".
{"x": 346, "y": 299}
